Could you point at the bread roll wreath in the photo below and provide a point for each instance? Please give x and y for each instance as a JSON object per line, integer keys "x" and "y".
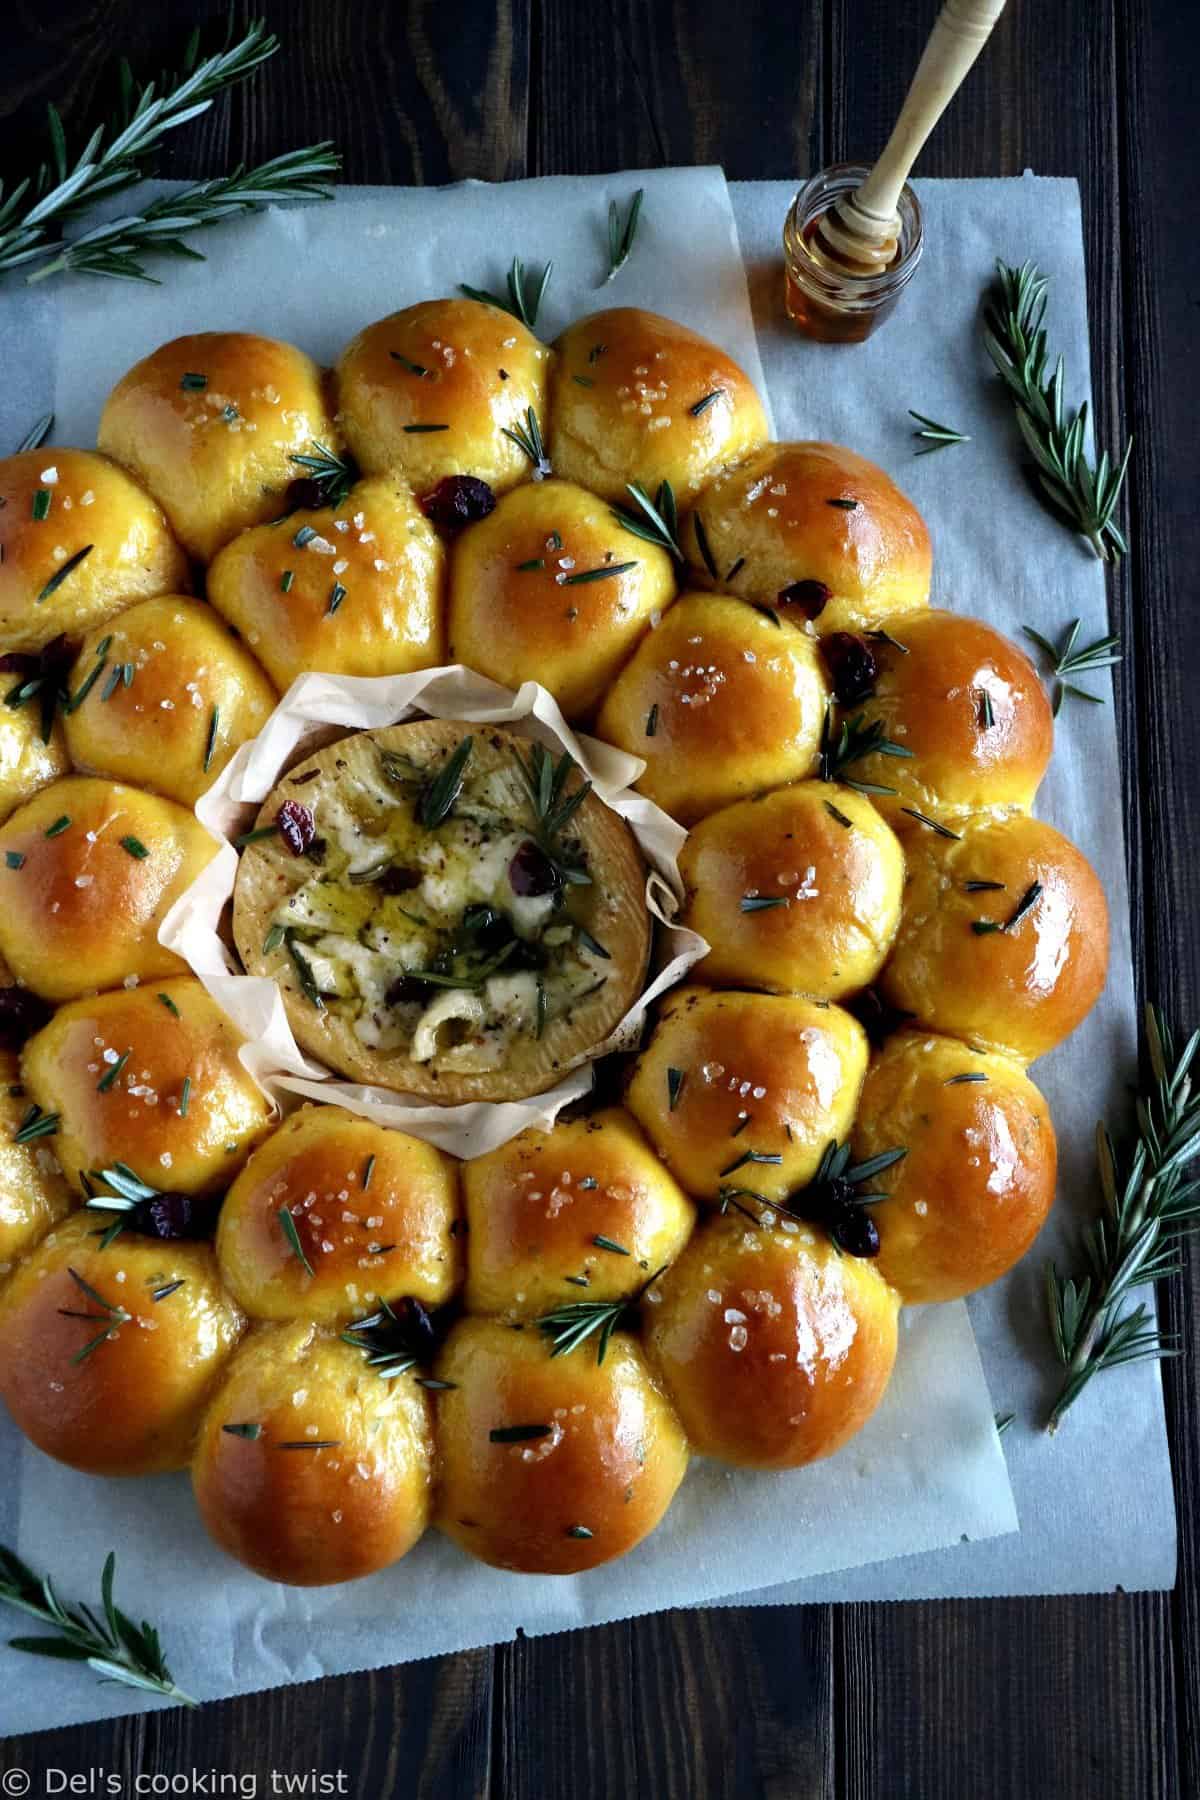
{"x": 347, "y": 1334}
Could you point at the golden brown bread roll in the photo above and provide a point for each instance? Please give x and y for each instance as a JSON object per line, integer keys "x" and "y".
{"x": 107, "y": 1356}
{"x": 720, "y": 702}
{"x": 746, "y": 1090}
{"x": 167, "y": 696}
{"x": 374, "y": 1212}
{"x": 33, "y": 1193}
{"x": 529, "y": 599}
{"x": 814, "y": 529}
{"x": 88, "y": 871}
{"x": 774, "y": 1347}
{"x": 447, "y": 956}
{"x": 1013, "y": 964}
{"x": 352, "y": 590}
{"x": 550, "y": 1464}
{"x": 797, "y": 891}
{"x": 430, "y": 391}
{"x": 28, "y": 760}
{"x": 210, "y": 424}
{"x": 969, "y": 708}
{"x": 583, "y": 1212}
{"x": 311, "y": 1468}
{"x": 977, "y": 1180}
{"x": 149, "y": 1077}
{"x": 639, "y": 398}
{"x": 78, "y": 541}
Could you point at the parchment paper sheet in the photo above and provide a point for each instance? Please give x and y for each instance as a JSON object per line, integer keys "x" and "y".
{"x": 1095, "y": 1501}
{"x": 928, "y": 1470}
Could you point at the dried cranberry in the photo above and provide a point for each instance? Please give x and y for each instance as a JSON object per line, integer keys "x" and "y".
{"x": 531, "y": 872}
{"x": 487, "y": 927}
{"x": 21, "y": 1014}
{"x": 808, "y": 597}
{"x": 396, "y": 880}
{"x": 458, "y": 500}
{"x": 297, "y": 827}
{"x": 174, "y": 1216}
{"x": 415, "y": 1324}
{"x": 405, "y": 990}
{"x": 877, "y": 1016}
{"x": 854, "y": 1230}
{"x": 305, "y": 494}
{"x": 852, "y": 667}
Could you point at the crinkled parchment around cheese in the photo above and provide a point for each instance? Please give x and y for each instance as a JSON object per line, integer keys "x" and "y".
{"x": 311, "y": 705}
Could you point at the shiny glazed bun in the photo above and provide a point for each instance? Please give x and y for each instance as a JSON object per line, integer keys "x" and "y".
{"x": 310, "y": 1468}
{"x": 78, "y": 541}
{"x": 352, "y": 590}
{"x": 977, "y": 1182}
{"x": 1036, "y": 964}
{"x": 33, "y": 1193}
{"x": 114, "y": 1069}
{"x": 639, "y": 398}
{"x": 968, "y": 706}
{"x": 530, "y": 600}
{"x": 815, "y": 530}
{"x": 374, "y": 1212}
{"x": 774, "y": 1348}
{"x": 429, "y": 392}
{"x": 746, "y": 1090}
{"x": 720, "y": 702}
{"x": 27, "y": 760}
{"x": 107, "y": 1357}
{"x": 797, "y": 891}
{"x": 209, "y": 423}
{"x": 587, "y": 1201}
{"x": 549, "y": 1464}
{"x": 192, "y": 696}
{"x": 88, "y": 871}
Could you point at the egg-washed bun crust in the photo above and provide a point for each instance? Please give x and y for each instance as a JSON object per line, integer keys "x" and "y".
{"x": 524, "y": 984}
{"x": 968, "y": 706}
{"x": 431, "y": 391}
{"x": 88, "y": 871}
{"x": 33, "y": 1192}
{"x": 27, "y": 760}
{"x": 78, "y": 541}
{"x": 640, "y": 398}
{"x": 817, "y": 514}
{"x": 168, "y": 694}
{"x": 210, "y": 424}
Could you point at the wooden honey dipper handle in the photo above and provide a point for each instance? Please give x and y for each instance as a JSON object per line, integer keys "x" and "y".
{"x": 864, "y": 225}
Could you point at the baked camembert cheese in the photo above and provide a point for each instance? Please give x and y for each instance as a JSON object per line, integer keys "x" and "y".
{"x": 448, "y": 909}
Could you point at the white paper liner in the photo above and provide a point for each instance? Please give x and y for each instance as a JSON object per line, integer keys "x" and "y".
{"x": 254, "y": 1003}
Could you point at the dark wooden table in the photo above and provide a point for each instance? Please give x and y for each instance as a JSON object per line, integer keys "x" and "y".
{"x": 1033, "y": 1699}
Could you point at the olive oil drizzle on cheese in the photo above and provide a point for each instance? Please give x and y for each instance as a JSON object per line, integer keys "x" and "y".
{"x": 418, "y": 933}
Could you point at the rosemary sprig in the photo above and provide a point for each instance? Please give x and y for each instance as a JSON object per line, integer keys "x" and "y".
{"x": 1084, "y": 494}
{"x": 528, "y": 438}
{"x": 1066, "y": 661}
{"x": 856, "y": 738}
{"x": 546, "y": 780}
{"x": 656, "y": 521}
{"x": 58, "y": 192}
{"x": 1148, "y": 1208}
{"x": 113, "y": 1317}
{"x": 937, "y": 437}
{"x": 111, "y": 1645}
{"x": 335, "y": 475}
{"x": 620, "y": 237}
{"x": 116, "y": 249}
{"x": 569, "y": 1326}
{"x": 525, "y": 293}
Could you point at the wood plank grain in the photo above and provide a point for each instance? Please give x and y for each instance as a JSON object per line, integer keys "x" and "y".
{"x": 430, "y": 92}
{"x": 423, "y": 1731}
{"x": 728, "y": 1704}
{"x": 636, "y": 84}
